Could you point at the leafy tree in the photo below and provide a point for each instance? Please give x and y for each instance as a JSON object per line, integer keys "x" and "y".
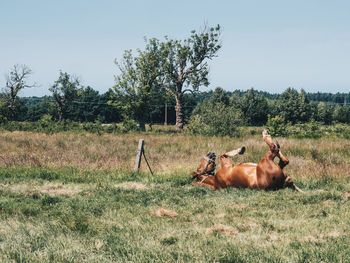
{"x": 235, "y": 101}
{"x": 254, "y": 108}
{"x": 108, "y": 113}
{"x": 342, "y": 114}
{"x": 184, "y": 65}
{"x": 136, "y": 87}
{"x": 294, "y": 107}
{"x": 38, "y": 107}
{"x": 64, "y": 91}
{"x": 288, "y": 105}
{"x": 173, "y": 66}
{"x": 324, "y": 113}
{"x": 305, "y": 108}
{"x": 273, "y": 107}
{"x": 16, "y": 80}
{"x": 86, "y": 107}
{"x": 220, "y": 96}
{"x": 3, "y": 111}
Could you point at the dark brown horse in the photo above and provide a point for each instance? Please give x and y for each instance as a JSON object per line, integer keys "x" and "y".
{"x": 264, "y": 175}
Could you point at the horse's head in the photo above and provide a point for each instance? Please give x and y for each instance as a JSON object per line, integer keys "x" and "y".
{"x": 206, "y": 167}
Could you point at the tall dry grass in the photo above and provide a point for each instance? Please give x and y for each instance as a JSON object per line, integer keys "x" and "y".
{"x": 167, "y": 153}
{"x": 95, "y": 214}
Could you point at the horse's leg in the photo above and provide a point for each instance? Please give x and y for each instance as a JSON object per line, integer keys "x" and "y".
{"x": 209, "y": 186}
{"x": 209, "y": 182}
{"x": 225, "y": 161}
{"x": 267, "y": 138}
{"x": 269, "y": 174}
{"x": 290, "y": 184}
{"x": 234, "y": 152}
{"x": 283, "y": 160}
{"x": 268, "y": 177}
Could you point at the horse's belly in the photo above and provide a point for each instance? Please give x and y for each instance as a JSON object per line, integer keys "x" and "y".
{"x": 244, "y": 175}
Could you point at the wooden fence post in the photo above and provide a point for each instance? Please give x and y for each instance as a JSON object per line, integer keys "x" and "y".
{"x": 166, "y": 114}
{"x": 139, "y": 155}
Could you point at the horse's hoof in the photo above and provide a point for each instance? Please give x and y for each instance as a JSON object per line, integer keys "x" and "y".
{"x": 241, "y": 150}
{"x": 265, "y": 133}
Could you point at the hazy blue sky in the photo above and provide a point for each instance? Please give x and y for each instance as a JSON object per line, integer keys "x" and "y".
{"x": 268, "y": 45}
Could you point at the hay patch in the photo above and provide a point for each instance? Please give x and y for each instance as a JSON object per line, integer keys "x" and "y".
{"x": 273, "y": 237}
{"x": 334, "y": 234}
{"x": 226, "y": 230}
{"x": 52, "y": 189}
{"x": 60, "y": 190}
{"x": 98, "y": 244}
{"x": 313, "y": 239}
{"x": 319, "y": 191}
{"x": 238, "y": 207}
{"x": 328, "y": 202}
{"x": 247, "y": 226}
{"x": 132, "y": 186}
{"x": 222, "y": 215}
{"x": 164, "y": 212}
{"x": 346, "y": 195}
{"x": 108, "y": 222}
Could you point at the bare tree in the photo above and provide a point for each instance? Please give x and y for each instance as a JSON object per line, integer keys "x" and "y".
{"x": 16, "y": 80}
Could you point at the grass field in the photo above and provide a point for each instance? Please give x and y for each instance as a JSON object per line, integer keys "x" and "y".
{"x": 72, "y": 198}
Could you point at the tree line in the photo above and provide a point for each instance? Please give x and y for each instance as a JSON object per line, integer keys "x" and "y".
{"x": 252, "y": 107}
{"x": 164, "y": 79}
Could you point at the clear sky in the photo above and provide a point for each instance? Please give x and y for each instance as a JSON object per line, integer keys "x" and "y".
{"x": 269, "y": 45}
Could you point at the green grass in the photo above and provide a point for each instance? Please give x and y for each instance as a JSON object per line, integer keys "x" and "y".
{"x": 72, "y": 215}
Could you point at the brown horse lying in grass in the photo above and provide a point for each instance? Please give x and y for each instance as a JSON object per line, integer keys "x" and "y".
{"x": 264, "y": 175}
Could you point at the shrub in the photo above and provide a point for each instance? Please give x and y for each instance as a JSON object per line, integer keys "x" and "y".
{"x": 46, "y": 125}
{"x": 92, "y": 127}
{"x": 45, "y": 121}
{"x": 305, "y": 130}
{"x": 338, "y": 130}
{"x": 111, "y": 128}
{"x": 129, "y": 125}
{"x": 3, "y": 119}
{"x": 218, "y": 119}
{"x": 277, "y": 126}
